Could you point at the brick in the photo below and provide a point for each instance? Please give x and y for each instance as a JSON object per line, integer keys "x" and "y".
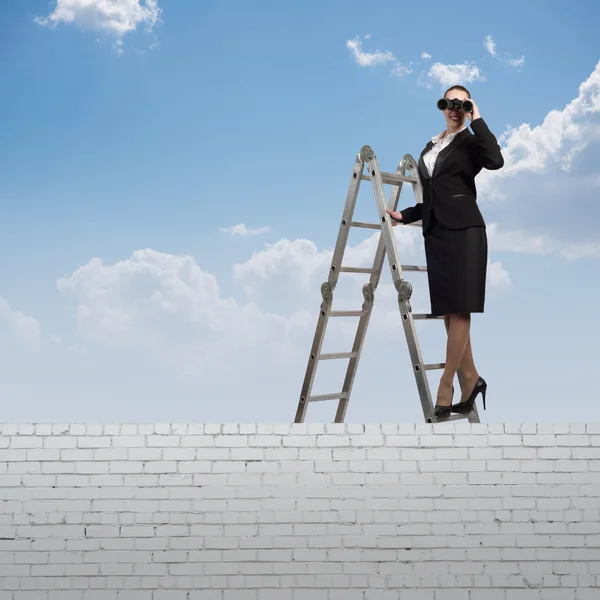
{"x": 403, "y": 441}
{"x": 162, "y": 441}
{"x": 76, "y": 454}
{"x": 27, "y": 441}
{"x": 435, "y": 441}
{"x": 573, "y": 440}
{"x": 93, "y": 442}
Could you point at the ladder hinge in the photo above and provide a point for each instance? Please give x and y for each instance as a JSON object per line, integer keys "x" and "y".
{"x": 405, "y": 290}
{"x": 404, "y": 293}
{"x": 327, "y": 292}
{"x": 368, "y": 293}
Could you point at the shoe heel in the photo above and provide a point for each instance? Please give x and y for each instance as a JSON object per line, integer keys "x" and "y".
{"x": 467, "y": 406}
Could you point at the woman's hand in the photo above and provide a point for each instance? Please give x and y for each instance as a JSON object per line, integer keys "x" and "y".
{"x": 475, "y": 112}
{"x": 395, "y": 215}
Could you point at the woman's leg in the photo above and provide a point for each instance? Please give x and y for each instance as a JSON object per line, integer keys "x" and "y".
{"x": 458, "y": 327}
{"x": 469, "y": 372}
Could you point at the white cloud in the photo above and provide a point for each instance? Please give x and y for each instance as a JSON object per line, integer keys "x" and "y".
{"x": 518, "y": 241}
{"x": 497, "y": 275}
{"x": 399, "y": 70}
{"x": 372, "y": 59}
{"x": 290, "y": 272}
{"x": 26, "y": 329}
{"x": 526, "y": 242}
{"x": 168, "y": 306}
{"x": 243, "y": 231}
{"x": 447, "y": 75}
{"x": 562, "y": 135}
{"x": 113, "y": 17}
{"x": 490, "y": 46}
{"x": 368, "y": 59}
{"x": 516, "y": 62}
{"x": 545, "y": 196}
{"x": 302, "y": 259}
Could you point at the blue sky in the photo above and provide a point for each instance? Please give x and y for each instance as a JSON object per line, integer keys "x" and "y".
{"x": 134, "y": 142}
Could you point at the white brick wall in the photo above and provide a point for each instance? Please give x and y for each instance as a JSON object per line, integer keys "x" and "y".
{"x": 299, "y": 512}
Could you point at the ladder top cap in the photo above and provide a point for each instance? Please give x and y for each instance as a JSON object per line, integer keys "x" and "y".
{"x": 366, "y": 154}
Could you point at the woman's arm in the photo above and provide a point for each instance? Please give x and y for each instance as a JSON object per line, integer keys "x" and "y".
{"x": 487, "y": 149}
{"x": 406, "y": 216}
{"x": 412, "y": 213}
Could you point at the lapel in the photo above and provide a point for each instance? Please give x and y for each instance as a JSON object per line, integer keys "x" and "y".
{"x": 447, "y": 151}
{"x": 422, "y": 166}
{"x": 443, "y": 155}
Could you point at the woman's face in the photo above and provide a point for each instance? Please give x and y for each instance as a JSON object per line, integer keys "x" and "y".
{"x": 455, "y": 119}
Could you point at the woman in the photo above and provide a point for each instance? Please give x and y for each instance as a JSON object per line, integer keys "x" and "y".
{"x": 455, "y": 239}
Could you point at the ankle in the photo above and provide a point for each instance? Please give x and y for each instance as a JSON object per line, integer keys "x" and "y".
{"x": 470, "y": 376}
{"x": 446, "y": 382}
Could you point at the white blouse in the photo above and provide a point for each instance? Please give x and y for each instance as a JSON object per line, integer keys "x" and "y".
{"x": 439, "y": 144}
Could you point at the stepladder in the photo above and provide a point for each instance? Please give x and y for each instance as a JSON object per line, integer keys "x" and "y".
{"x": 366, "y": 168}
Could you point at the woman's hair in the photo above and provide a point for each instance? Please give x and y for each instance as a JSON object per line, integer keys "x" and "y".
{"x": 457, "y": 87}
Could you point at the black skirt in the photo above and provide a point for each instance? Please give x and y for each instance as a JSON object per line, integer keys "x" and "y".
{"x": 456, "y": 268}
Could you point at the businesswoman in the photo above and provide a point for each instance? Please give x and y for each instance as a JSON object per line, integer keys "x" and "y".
{"x": 455, "y": 238}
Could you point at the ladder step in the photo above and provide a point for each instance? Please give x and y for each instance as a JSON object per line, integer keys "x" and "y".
{"x": 421, "y": 316}
{"x": 365, "y": 225}
{"x": 332, "y": 355}
{"x": 453, "y": 417}
{"x": 393, "y": 178}
{"x": 413, "y": 268}
{"x": 321, "y": 397}
{"x": 432, "y": 366}
{"x": 346, "y": 313}
{"x": 357, "y": 270}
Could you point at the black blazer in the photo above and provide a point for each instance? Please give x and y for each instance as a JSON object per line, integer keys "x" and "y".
{"x": 451, "y": 191}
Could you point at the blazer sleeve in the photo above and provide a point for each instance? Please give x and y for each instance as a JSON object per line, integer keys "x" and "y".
{"x": 487, "y": 149}
{"x": 412, "y": 213}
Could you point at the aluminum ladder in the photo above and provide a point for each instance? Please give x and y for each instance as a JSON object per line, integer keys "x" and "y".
{"x": 386, "y": 246}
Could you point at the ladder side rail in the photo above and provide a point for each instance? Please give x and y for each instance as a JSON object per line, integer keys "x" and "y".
{"x": 368, "y": 293}
{"x": 404, "y": 292}
{"x": 344, "y": 230}
{"x": 327, "y": 290}
{"x": 386, "y": 227}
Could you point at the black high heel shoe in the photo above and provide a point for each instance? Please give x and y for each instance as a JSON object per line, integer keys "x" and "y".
{"x": 467, "y": 405}
{"x": 444, "y": 411}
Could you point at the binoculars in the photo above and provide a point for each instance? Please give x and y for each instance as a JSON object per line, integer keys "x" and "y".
{"x": 454, "y": 104}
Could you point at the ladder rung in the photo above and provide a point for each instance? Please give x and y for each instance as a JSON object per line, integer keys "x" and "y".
{"x": 346, "y": 313}
{"x": 393, "y": 178}
{"x": 321, "y": 397}
{"x": 453, "y": 417}
{"x": 331, "y": 355}
{"x": 413, "y": 268}
{"x": 432, "y": 366}
{"x": 365, "y": 225}
{"x": 357, "y": 270}
{"x": 422, "y": 316}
